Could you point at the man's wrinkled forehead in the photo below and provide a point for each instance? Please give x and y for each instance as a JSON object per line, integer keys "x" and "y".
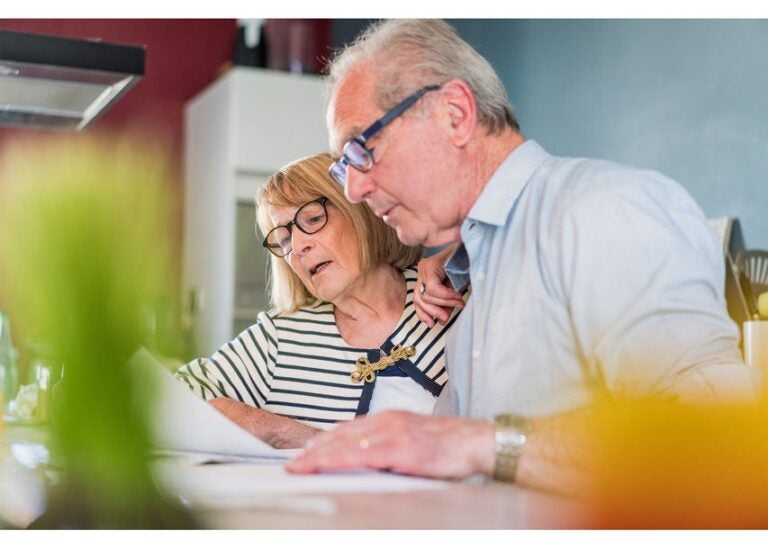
{"x": 351, "y": 110}
{"x": 339, "y": 132}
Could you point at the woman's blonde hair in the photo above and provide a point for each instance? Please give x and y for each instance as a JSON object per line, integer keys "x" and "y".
{"x": 305, "y": 180}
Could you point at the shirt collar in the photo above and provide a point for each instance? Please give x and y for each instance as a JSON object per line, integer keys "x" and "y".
{"x": 503, "y": 188}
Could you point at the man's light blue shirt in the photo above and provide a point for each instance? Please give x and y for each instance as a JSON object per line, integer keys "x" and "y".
{"x": 588, "y": 277}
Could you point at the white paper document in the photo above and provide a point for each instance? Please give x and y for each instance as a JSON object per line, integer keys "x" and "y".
{"x": 236, "y": 479}
{"x": 269, "y": 486}
{"x": 180, "y": 421}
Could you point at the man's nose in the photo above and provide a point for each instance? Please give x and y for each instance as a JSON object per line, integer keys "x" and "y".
{"x": 359, "y": 185}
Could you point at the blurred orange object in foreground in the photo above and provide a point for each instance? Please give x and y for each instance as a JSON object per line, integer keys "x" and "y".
{"x": 668, "y": 466}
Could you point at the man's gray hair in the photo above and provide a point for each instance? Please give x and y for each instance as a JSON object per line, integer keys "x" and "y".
{"x": 410, "y": 53}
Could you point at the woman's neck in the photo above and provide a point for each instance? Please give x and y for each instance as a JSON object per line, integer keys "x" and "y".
{"x": 370, "y": 310}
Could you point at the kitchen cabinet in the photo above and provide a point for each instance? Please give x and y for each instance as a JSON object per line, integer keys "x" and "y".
{"x": 238, "y": 131}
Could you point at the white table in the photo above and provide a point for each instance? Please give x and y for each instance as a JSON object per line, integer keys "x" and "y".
{"x": 459, "y": 505}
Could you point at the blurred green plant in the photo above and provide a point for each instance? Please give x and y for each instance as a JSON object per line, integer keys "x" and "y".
{"x": 84, "y": 262}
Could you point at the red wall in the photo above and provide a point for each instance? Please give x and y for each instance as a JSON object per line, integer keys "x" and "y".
{"x": 182, "y": 57}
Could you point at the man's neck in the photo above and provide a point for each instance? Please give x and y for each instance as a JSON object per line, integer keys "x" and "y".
{"x": 483, "y": 158}
{"x": 489, "y": 152}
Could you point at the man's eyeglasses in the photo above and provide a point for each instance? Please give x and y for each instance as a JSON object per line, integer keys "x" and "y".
{"x": 309, "y": 218}
{"x": 359, "y": 156}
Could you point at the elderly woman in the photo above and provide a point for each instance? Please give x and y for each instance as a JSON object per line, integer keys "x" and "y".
{"x": 343, "y": 339}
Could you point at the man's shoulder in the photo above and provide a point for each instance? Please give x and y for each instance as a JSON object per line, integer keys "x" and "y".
{"x": 597, "y": 175}
{"x": 584, "y": 183}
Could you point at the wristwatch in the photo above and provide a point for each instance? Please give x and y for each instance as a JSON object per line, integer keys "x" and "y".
{"x": 511, "y": 432}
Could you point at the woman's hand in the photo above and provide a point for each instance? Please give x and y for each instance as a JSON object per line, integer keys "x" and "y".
{"x": 277, "y": 431}
{"x": 434, "y": 298}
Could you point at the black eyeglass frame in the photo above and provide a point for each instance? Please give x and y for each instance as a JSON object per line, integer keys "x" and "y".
{"x": 338, "y": 169}
{"x": 273, "y": 248}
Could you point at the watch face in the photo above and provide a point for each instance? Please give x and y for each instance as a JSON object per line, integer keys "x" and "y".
{"x": 511, "y": 437}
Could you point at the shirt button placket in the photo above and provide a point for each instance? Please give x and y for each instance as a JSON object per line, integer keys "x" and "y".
{"x": 477, "y": 275}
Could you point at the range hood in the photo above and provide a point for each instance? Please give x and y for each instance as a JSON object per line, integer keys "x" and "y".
{"x": 62, "y": 83}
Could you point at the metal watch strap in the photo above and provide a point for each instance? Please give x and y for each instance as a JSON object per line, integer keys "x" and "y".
{"x": 510, "y": 434}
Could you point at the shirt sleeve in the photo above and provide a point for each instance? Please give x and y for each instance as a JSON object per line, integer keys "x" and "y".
{"x": 242, "y": 369}
{"x": 642, "y": 276}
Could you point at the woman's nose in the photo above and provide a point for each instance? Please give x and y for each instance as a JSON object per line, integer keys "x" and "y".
{"x": 301, "y": 242}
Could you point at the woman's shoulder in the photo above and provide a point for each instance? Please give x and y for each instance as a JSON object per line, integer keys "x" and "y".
{"x": 318, "y": 310}
{"x": 410, "y": 274}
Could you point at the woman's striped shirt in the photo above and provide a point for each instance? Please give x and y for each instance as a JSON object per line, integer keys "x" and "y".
{"x": 298, "y": 366}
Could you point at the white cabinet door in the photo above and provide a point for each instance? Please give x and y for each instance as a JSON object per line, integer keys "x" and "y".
{"x": 279, "y": 117}
{"x": 239, "y": 131}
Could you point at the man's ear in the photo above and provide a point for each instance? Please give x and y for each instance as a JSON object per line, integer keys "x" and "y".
{"x": 462, "y": 110}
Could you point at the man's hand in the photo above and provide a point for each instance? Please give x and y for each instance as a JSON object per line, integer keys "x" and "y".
{"x": 279, "y": 432}
{"x": 419, "y": 445}
{"x": 434, "y": 297}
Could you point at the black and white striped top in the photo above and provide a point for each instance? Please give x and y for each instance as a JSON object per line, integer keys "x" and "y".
{"x": 298, "y": 366}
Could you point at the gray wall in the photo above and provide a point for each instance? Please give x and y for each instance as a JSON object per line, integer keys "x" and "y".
{"x": 688, "y": 98}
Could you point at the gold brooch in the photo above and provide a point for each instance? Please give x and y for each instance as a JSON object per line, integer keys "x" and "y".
{"x": 366, "y": 371}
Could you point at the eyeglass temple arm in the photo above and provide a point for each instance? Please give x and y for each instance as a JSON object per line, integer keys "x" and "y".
{"x": 395, "y": 112}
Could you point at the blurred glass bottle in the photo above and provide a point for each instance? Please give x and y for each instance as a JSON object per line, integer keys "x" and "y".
{"x": 297, "y": 45}
{"x": 8, "y": 373}
{"x": 43, "y": 372}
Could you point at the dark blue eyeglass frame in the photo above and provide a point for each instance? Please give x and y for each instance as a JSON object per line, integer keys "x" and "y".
{"x": 355, "y": 154}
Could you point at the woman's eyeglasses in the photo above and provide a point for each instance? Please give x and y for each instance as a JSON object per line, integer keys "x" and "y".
{"x": 309, "y": 218}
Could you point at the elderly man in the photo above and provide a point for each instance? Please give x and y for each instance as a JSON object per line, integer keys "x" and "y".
{"x": 588, "y": 278}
